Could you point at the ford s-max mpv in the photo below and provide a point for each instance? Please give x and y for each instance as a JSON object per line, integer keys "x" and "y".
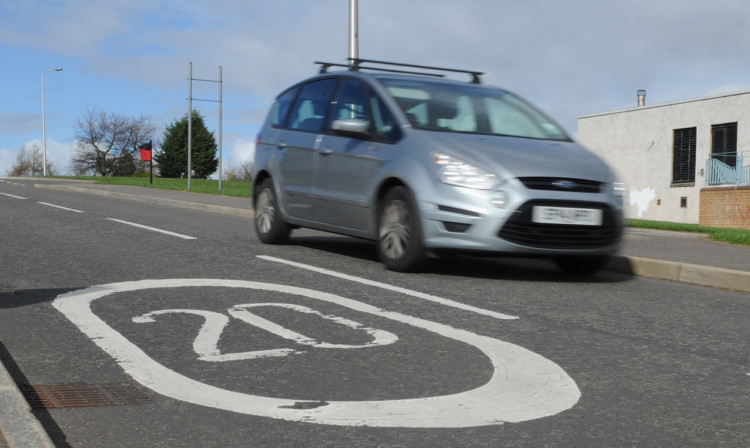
{"x": 427, "y": 166}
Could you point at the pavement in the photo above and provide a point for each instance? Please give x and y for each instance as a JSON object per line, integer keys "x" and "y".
{"x": 675, "y": 256}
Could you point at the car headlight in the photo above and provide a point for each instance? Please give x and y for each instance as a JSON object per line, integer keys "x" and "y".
{"x": 619, "y": 191}
{"x": 454, "y": 171}
{"x": 618, "y": 188}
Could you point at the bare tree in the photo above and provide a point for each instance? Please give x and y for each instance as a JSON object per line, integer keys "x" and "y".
{"x": 106, "y": 143}
{"x": 246, "y": 171}
{"x": 29, "y": 162}
{"x": 242, "y": 173}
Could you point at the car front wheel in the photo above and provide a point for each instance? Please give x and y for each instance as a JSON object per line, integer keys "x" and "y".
{"x": 400, "y": 237}
{"x": 269, "y": 226}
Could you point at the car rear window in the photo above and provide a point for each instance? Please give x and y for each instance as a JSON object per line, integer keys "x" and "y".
{"x": 281, "y": 108}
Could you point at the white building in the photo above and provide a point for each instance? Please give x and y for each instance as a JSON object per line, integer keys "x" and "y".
{"x": 672, "y": 156}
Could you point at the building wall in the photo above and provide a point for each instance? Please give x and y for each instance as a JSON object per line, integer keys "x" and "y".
{"x": 638, "y": 144}
{"x": 725, "y": 207}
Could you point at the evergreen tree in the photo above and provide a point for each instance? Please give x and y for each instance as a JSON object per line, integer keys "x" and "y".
{"x": 172, "y": 158}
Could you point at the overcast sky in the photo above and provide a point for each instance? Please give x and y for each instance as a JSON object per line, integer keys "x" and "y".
{"x": 130, "y": 57}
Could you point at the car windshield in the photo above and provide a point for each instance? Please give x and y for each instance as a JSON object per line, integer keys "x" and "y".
{"x": 471, "y": 109}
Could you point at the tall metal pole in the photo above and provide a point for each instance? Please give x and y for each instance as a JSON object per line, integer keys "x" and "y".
{"x": 44, "y": 127}
{"x": 221, "y": 172}
{"x": 353, "y": 30}
{"x": 190, "y": 123}
{"x": 190, "y": 129}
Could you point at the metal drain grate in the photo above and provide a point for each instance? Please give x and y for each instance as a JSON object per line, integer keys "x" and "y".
{"x": 56, "y": 396}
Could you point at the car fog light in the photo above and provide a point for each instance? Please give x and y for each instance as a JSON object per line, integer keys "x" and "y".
{"x": 500, "y": 200}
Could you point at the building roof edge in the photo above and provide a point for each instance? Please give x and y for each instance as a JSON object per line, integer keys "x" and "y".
{"x": 671, "y": 103}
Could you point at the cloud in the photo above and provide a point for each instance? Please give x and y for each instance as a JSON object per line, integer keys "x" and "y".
{"x": 7, "y": 158}
{"x": 569, "y": 58}
{"x": 19, "y": 123}
{"x": 60, "y": 154}
{"x": 242, "y": 150}
{"x": 727, "y": 88}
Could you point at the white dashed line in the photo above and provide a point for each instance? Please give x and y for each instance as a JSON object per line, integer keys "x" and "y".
{"x": 154, "y": 229}
{"x": 12, "y": 196}
{"x": 61, "y": 207}
{"x": 409, "y": 292}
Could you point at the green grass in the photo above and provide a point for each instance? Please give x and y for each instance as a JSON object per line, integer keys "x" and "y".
{"x": 208, "y": 186}
{"x": 243, "y": 189}
{"x": 731, "y": 236}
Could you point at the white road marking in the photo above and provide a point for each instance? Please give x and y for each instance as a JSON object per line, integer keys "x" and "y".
{"x": 206, "y": 344}
{"x": 524, "y": 385}
{"x": 408, "y": 292}
{"x": 60, "y": 207}
{"x": 13, "y": 183}
{"x": 12, "y": 196}
{"x": 380, "y": 337}
{"x": 154, "y": 229}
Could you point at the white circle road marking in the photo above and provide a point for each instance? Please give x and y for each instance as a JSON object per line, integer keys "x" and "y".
{"x": 524, "y": 385}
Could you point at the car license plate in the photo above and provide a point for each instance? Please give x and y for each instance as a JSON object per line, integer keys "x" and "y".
{"x": 567, "y": 215}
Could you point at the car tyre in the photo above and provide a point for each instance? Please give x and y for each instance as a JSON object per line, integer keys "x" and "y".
{"x": 269, "y": 226}
{"x": 582, "y": 265}
{"x": 400, "y": 244}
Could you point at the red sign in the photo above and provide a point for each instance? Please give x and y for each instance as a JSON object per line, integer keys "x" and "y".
{"x": 146, "y": 155}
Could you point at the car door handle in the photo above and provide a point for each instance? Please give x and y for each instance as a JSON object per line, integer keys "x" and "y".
{"x": 281, "y": 145}
{"x": 326, "y": 151}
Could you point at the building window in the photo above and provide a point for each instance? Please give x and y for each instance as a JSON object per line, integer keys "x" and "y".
{"x": 724, "y": 143}
{"x": 683, "y": 162}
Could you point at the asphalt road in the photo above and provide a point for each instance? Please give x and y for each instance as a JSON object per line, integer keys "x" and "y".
{"x": 221, "y": 341}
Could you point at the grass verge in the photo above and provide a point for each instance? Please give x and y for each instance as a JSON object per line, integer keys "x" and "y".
{"x": 731, "y": 236}
{"x": 243, "y": 189}
{"x": 208, "y": 186}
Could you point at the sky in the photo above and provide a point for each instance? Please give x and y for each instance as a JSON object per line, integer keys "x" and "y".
{"x": 132, "y": 57}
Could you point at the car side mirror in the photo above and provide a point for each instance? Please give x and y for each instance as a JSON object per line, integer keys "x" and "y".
{"x": 351, "y": 126}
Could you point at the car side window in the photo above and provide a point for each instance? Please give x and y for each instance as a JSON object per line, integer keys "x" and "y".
{"x": 356, "y": 100}
{"x": 351, "y": 101}
{"x": 312, "y": 105}
{"x": 281, "y": 108}
{"x": 385, "y": 124}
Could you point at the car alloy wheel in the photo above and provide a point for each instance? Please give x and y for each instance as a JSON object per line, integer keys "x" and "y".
{"x": 400, "y": 237}
{"x": 269, "y": 226}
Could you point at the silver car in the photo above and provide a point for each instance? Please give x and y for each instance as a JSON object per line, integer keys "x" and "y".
{"x": 428, "y": 166}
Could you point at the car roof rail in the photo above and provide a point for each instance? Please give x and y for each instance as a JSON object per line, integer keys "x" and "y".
{"x": 356, "y": 65}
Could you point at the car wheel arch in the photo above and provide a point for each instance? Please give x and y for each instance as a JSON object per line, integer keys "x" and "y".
{"x": 382, "y": 190}
{"x": 259, "y": 178}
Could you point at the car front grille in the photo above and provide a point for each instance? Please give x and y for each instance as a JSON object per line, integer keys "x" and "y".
{"x": 520, "y": 229}
{"x": 561, "y": 184}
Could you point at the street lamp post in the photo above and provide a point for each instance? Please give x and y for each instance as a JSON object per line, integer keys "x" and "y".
{"x": 44, "y": 132}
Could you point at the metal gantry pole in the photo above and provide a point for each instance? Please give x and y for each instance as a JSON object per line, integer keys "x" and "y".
{"x": 190, "y": 127}
{"x": 190, "y": 121}
{"x": 353, "y": 30}
{"x": 221, "y": 172}
{"x": 44, "y": 127}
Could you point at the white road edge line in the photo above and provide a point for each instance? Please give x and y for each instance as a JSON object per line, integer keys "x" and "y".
{"x": 167, "y": 232}
{"x": 60, "y": 207}
{"x": 398, "y": 289}
{"x": 12, "y": 196}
